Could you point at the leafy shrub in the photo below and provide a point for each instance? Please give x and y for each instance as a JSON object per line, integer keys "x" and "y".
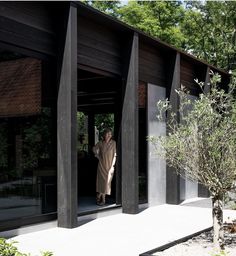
{"x": 220, "y": 253}
{"x": 9, "y": 249}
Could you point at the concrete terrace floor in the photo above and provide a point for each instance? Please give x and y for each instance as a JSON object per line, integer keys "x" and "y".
{"x": 122, "y": 234}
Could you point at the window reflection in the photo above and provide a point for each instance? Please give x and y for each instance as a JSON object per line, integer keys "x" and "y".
{"x": 27, "y": 143}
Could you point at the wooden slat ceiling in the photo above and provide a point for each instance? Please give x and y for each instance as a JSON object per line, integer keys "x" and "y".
{"x": 97, "y": 93}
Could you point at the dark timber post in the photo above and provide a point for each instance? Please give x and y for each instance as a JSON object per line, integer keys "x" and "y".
{"x": 66, "y": 127}
{"x": 91, "y": 132}
{"x": 117, "y": 135}
{"x": 129, "y": 136}
{"x": 172, "y": 179}
{"x": 207, "y": 80}
{"x": 202, "y": 190}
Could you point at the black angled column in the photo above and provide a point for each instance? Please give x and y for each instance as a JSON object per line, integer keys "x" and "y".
{"x": 202, "y": 190}
{"x": 172, "y": 179}
{"x": 66, "y": 128}
{"x": 129, "y": 133}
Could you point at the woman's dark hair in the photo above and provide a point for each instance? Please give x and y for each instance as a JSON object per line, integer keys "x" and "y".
{"x": 105, "y": 131}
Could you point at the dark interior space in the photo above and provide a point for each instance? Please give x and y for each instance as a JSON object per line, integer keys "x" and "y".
{"x": 98, "y": 108}
{"x": 142, "y": 156}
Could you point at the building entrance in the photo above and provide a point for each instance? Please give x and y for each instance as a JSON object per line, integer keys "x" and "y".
{"x": 98, "y": 109}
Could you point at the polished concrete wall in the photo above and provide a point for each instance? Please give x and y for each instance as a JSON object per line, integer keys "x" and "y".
{"x": 156, "y": 165}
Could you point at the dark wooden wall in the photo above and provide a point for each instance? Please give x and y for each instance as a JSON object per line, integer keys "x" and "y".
{"x": 39, "y": 27}
{"x": 151, "y": 65}
{"x": 98, "y": 46}
{"x": 189, "y": 71}
{"x": 31, "y": 25}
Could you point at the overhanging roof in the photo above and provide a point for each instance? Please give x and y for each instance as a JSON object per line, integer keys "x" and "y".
{"x": 113, "y": 23}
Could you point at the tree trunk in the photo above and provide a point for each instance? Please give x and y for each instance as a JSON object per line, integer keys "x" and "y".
{"x": 217, "y": 214}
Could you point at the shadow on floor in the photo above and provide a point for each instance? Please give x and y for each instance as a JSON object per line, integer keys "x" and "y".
{"x": 88, "y": 204}
{"x": 200, "y": 202}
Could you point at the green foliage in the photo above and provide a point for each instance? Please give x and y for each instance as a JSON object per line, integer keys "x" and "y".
{"x": 82, "y": 131}
{"x": 230, "y": 200}
{"x": 36, "y": 140}
{"x": 35, "y": 136}
{"x": 202, "y": 146}
{"x": 103, "y": 121}
{"x": 209, "y": 31}
{"x": 109, "y": 7}
{"x": 205, "y": 29}
{"x": 220, "y": 253}
{"x": 81, "y": 122}
{"x": 9, "y": 249}
{"x": 233, "y": 206}
{"x": 46, "y": 253}
{"x": 201, "y": 143}
{"x": 157, "y": 18}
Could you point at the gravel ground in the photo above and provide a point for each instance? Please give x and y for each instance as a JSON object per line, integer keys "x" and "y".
{"x": 202, "y": 246}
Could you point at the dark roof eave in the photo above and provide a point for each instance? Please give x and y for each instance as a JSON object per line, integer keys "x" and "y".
{"x": 125, "y": 27}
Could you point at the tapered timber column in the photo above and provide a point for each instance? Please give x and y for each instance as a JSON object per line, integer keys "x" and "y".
{"x": 129, "y": 134}
{"x": 202, "y": 190}
{"x": 172, "y": 179}
{"x": 207, "y": 80}
{"x": 66, "y": 128}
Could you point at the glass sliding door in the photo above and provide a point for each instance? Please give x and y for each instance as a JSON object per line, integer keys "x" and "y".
{"x": 27, "y": 137}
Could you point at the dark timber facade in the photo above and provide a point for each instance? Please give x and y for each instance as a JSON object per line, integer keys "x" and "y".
{"x": 82, "y": 61}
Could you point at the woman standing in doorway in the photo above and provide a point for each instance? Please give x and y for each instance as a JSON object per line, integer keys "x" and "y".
{"x": 105, "y": 151}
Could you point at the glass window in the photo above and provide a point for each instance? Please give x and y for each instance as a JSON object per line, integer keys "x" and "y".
{"x": 27, "y": 138}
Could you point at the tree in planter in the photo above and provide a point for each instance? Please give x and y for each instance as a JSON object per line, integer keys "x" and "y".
{"x": 202, "y": 147}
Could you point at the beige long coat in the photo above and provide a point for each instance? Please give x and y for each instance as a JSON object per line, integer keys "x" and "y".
{"x": 106, "y": 154}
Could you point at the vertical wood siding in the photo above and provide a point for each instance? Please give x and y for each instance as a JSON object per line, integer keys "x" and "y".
{"x": 98, "y": 46}
{"x": 29, "y": 25}
{"x": 189, "y": 72}
{"x": 151, "y": 65}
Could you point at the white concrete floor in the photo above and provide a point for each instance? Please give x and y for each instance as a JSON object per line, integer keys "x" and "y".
{"x": 121, "y": 234}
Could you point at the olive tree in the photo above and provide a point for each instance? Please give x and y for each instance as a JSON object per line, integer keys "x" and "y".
{"x": 202, "y": 146}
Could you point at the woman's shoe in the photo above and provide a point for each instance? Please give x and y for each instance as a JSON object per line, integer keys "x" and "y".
{"x": 98, "y": 198}
{"x": 100, "y": 204}
{"x": 103, "y": 201}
